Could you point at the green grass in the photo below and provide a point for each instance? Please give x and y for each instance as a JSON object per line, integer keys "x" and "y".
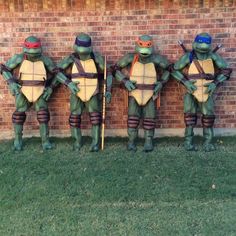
{"x": 115, "y": 192}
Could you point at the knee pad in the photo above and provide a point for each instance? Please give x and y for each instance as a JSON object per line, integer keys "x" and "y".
{"x": 149, "y": 123}
{"x": 75, "y": 121}
{"x": 190, "y": 119}
{"x": 133, "y": 122}
{"x": 95, "y": 118}
{"x": 43, "y": 116}
{"x": 18, "y": 117}
{"x": 208, "y": 121}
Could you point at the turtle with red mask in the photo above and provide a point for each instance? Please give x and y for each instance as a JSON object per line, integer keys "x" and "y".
{"x": 148, "y": 72}
{"x": 85, "y": 68}
{"x": 201, "y": 71}
{"x": 29, "y": 78}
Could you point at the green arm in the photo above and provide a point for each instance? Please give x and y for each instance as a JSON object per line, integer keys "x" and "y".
{"x": 179, "y": 66}
{"x": 11, "y": 64}
{"x": 99, "y": 60}
{"x": 63, "y": 65}
{"x": 163, "y": 63}
{"x": 225, "y": 71}
{"x": 100, "y": 63}
{"x": 122, "y": 63}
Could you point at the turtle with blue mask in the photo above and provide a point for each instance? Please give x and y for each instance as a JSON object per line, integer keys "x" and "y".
{"x": 201, "y": 71}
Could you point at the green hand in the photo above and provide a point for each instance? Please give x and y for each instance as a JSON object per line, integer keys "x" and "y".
{"x": 14, "y": 89}
{"x": 73, "y": 87}
{"x": 108, "y": 97}
{"x": 130, "y": 85}
{"x": 211, "y": 87}
{"x": 158, "y": 87}
{"x": 190, "y": 86}
{"x": 47, "y": 93}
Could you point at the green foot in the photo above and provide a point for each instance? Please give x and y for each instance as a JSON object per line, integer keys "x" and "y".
{"x": 17, "y": 146}
{"x": 209, "y": 147}
{"x": 94, "y": 148}
{"x": 47, "y": 145}
{"x": 148, "y": 145}
{"x": 77, "y": 146}
{"x": 190, "y": 147}
{"x": 131, "y": 147}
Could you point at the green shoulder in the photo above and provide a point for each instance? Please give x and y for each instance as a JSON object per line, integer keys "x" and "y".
{"x": 65, "y": 62}
{"x": 99, "y": 59}
{"x": 14, "y": 61}
{"x": 182, "y": 62}
{"x": 126, "y": 60}
{"x": 49, "y": 64}
{"x": 218, "y": 60}
{"x": 160, "y": 61}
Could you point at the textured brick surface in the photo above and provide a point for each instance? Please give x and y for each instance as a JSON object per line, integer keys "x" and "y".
{"x": 114, "y": 27}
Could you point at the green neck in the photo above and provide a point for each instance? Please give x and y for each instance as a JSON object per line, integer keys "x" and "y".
{"x": 33, "y": 58}
{"x": 201, "y": 56}
{"x": 84, "y": 57}
{"x": 145, "y": 60}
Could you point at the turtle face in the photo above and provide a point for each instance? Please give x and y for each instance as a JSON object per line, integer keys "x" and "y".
{"x": 202, "y": 43}
{"x": 32, "y": 47}
{"x": 144, "y": 46}
{"x": 82, "y": 44}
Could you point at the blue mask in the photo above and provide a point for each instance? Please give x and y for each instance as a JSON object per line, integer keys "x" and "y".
{"x": 202, "y": 39}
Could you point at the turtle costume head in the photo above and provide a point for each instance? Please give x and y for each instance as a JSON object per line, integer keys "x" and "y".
{"x": 32, "y": 47}
{"x": 83, "y": 44}
{"x": 144, "y": 46}
{"x": 202, "y": 43}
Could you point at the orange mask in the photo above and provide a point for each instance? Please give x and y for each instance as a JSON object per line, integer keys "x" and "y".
{"x": 144, "y": 44}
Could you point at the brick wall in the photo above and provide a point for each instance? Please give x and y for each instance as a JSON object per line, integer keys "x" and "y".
{"x": 114, "y": 26}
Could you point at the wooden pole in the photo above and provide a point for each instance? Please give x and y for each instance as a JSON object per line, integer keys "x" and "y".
{"x": 104, "y": 103}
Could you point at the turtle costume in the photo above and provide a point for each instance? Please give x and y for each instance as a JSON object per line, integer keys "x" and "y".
{"x": 85, "y": 67}
{"x": 148, "y": 72}
{"x": 201, "y": 71}
{"x": 30, "y": 79}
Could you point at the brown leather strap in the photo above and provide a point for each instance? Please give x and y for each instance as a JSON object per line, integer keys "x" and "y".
{"x": 32, "y": 83}
{"x": 145, "y": 86}
{"x": 198, "y": 66}
{"x": 84, "y": 75}
{"x": 78, "y": 64}
{"x": 201, "y": 76}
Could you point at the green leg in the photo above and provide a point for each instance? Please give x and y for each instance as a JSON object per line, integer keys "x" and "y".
{"x": 44, "y": 133}
{"x": 188, "y": 141}
{"x": 190, "y": 117}
{"x": 18, "y": 119}
{"x": 149, "y": 123}
{"x": 133, "y": 134}
{"x": 207, "y": 109}
{"x": 95, "y": 117}
{"x": 76, "y": 108}
{"x": 43, "y": 117}
{"x": 18, "y": 144}
{"x": 95, "y": 138}
{"x": 208, "y": 135}
{"x": 134, "y": 113}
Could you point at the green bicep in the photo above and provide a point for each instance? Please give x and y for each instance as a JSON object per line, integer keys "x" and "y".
{"x": 219, "y": 61}
{"x": 125, "y": 60}
{"x": 99, "y": 59}
{"x": 13, "y": 62}
{"x": 182, "y": 62}
{"x": 49, "y": 64}
{"x": 65, "y": 63}
{"x": 161, "y": 61}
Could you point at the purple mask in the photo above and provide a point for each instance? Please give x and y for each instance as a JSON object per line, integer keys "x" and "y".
{"x": 82, "y": 43}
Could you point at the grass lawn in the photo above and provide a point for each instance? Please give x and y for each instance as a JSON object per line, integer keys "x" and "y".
{"x": 115, "y": 192}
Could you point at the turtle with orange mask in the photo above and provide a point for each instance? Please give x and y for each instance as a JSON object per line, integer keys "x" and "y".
{"x": 27, "y": 75}
{"x": 148, "y": 72}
